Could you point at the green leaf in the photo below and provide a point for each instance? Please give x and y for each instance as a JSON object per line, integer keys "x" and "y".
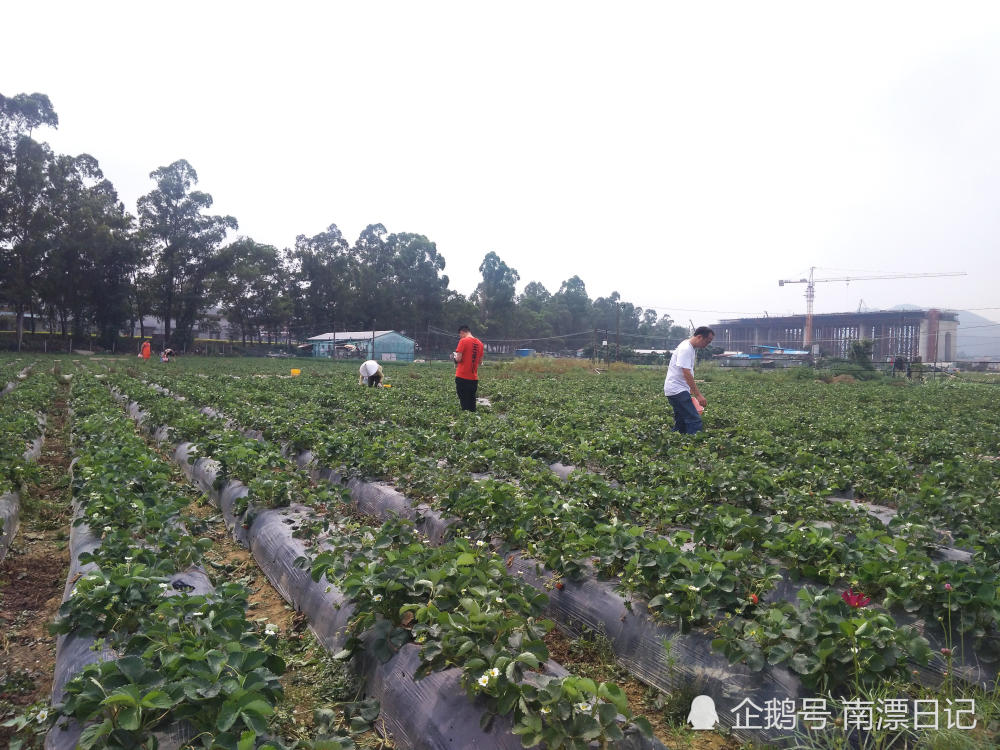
{"x": 132, "y": 667}
{"x": 589, "y": 727}
{"x": 126, "y": 696}
{"x": 607, "y": 713}
{"x": 526, "y": 657}
{"x": 588, "y": 685}
{"x": 642, "y": 724}
{"x": 507, "y": 701}
{"x": 227, "y": 715}
{"x": 157, "y": 699}
{"x": 93, "y": 733}
{"x": 611, "y": 692}
{"x": 129, "y": 718}
{"x": 802, "y": 663}
{"x": 258, "y": 708}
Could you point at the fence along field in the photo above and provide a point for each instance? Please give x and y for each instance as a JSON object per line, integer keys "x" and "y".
{"x": 656, "y": 513}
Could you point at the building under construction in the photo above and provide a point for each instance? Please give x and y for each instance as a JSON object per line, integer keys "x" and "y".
{"x": 930, "y": 335}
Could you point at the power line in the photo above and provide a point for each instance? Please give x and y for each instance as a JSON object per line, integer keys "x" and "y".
{"x": 432, "y": 329}
{"x": 644, "y": 336}
{"x": 691, "y": 309}
{"x": 972, "y": 328}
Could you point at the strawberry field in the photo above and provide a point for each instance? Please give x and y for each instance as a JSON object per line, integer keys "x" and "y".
{"x": 835, "y": 542}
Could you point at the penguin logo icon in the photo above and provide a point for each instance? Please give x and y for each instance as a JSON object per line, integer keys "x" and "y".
{"x": 702, "y": 714}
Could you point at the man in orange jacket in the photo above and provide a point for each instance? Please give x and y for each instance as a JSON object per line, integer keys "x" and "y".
{"x": 467, "y": 356}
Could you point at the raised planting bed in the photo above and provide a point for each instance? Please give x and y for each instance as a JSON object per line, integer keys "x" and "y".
{"x": 900, "y": 566}
{"x": 22, "y": 433}
{"x": 639, "y": 641}
{"x": 148, "y": 648}
{"x": 572, "y": 513}
{"x": 515, "y": 698}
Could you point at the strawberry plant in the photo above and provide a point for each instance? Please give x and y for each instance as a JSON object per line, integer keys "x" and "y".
{"x": 754, "y": 486}
{"x": 459, "y": 605}
{"x": 833, "y": 642}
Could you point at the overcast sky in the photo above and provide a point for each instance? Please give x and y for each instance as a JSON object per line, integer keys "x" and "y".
{"x": 687, "y": 155}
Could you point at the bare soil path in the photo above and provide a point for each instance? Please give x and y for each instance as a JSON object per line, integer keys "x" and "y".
{"x": 33, "y": 575}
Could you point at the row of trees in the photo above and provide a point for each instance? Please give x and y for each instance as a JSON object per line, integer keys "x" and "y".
{"x": 72, "y": 256}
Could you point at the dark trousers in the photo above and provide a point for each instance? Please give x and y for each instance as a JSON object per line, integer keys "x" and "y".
{"x": 687, "y": 420}
{"x": 374, "y": 380}
{"x": 466, "y": 393}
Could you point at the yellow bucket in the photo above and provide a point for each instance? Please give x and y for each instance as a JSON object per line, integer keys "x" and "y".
{"x": 296, "y": 372}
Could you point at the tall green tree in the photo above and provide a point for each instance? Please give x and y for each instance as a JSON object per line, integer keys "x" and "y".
{"x": 324, "y": 282}
{"x": 68, "y": 266}
{"x": 116, "y": 254}
{"x": 93, "y": 249}
{"x": 495, "y": 295}
{"x": 185, "y": 245}
{"x": 418, "y": 287}
{"x": 250, "y": 286}
{"x": 534, "y": 316}
{"x": 25, "y": 220}
{"x": 377, "y": 302}
{"x": 571, "y": 311}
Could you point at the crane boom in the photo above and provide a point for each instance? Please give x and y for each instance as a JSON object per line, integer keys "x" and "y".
{"x": 811, "y": 290}
{"x": 782, "y": 282}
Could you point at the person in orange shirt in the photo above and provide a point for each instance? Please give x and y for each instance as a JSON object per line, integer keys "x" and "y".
{"x": 146, "y": 350}
{"x": 467, "y": 356}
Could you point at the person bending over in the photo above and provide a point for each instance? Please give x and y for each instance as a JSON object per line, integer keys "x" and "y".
{"x": 679, "y": 387}
{"x": 371, "y": 373}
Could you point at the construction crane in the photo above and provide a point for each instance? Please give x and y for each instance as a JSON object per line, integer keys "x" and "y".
{"x": 811, "y": 291}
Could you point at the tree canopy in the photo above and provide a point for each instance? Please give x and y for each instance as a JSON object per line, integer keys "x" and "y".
{"x": 71, "y": 255}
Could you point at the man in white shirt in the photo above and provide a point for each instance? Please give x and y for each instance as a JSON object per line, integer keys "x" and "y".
{"x": 370, "y": 372}
{"x": 680, "y": 388}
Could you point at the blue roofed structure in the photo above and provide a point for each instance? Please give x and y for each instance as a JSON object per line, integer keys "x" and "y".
{"x": 384, "y": 346}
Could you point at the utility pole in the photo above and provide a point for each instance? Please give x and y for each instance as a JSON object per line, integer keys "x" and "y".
{"x": 618, "y": 330}
{"x": 593, "y": 350}
{"x": 373, "y": 339}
